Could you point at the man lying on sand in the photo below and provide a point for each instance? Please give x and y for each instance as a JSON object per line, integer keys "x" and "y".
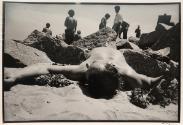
{"x": 101, "y": 71}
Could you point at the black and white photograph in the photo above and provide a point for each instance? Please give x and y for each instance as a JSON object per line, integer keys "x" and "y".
{"x": 91, "y": 62}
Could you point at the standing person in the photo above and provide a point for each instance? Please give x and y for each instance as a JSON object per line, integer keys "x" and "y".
{"x": 138, "y": 32}
{"x": 124, "y": 29}
{"x": 47, "y": 30}
{"x": 71, "y": 25}
{"x": 117, "y": 20}
{"x": 103, "y": 22}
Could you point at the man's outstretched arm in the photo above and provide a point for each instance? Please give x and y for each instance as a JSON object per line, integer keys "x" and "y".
{"x": 73, "y": 72}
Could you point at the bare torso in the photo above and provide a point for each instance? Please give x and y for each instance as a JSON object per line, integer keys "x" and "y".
{"x": 108, "y": 55}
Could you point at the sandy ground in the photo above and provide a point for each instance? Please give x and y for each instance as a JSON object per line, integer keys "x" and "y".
{"x": 33, "y": 102}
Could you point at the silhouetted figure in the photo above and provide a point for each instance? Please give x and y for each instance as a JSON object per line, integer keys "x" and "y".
{"x": 124, "y": 29}
{"x": 77, "y": 36}
{"x": 138, "y": 32}
{"x": 71, "y": 25}
{"x": 47, "y": 30}
{"x": 103, "y": 23}
{"x": 117, "y": 20}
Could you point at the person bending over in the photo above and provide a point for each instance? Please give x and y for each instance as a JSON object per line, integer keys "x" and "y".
{"x": 103, "y": 23}
{"x": 101, "y": 71}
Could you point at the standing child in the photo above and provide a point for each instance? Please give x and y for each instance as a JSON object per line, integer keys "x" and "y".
{"x": 138, "y": 32}
{"x": 71, "y": 25}
{"x": 103, "y": 22}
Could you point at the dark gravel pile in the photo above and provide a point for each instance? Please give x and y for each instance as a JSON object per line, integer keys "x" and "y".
{"x": 162, "y": 95}
{"x": 52, "y": 80}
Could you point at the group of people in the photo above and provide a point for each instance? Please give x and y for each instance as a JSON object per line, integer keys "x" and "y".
{"x": 120, "y": 26}
{"x": 70, "y": 31}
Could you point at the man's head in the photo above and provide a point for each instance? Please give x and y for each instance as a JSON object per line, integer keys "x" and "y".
{"x": 138, "y": 26}
{"x": 71, "y": 13}
{"x": 107, "y": 16}
{"x": 47, "y": 25}
{"x": 117, "y": 9}
{"x": 102, "y": 79}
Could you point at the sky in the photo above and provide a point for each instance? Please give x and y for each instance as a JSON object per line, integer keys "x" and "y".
{"x": 22, "y": 18}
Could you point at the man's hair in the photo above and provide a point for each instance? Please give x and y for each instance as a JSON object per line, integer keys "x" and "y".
{"x": 117, "y": 8}
{"x": 103, "y": 83}
{"x": 107, "y": 15}
{"x": 47, "y": 24}
{"x": 71, "y": 12}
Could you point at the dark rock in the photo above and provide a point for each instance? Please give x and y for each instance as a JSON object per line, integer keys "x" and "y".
{"x": 170, "y": 38}
{"x": 142, "y": 63}
{"x": 134, "y": 40}
{"x": 20, "y": 55}
{"x": 148, "y": 39}
{"x": 125, "y": 44}
{"x": 102, "y": 38}
{"x": 56, "y": 49}
{"x": 165, "y": 19}
{"x": 161, "y": 55}
{"x": 164, "y": 36}
{"x": 162, "y": 27}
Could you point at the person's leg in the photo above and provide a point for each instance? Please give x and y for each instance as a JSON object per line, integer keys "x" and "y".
{"x": 72, "y": 37}
{"x": 66, "y": 36}
{"x": 125, "y": 34}
{"x": 120, "y": 31}
{"x": 137, "y": 80}
{"x": 115, "y": 28}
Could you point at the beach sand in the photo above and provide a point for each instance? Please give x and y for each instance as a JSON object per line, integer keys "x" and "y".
{"x": 33, "y": 102}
